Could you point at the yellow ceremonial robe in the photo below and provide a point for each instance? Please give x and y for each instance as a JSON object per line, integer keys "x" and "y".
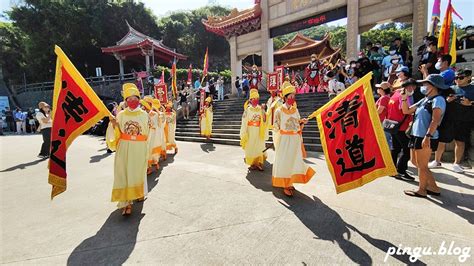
{"x": 206, "y": 122}
{"x": 252, "y": 135}
{"x": 154, "y": 140}
{"x": 131, "y": 157}
{"x": 170, "y": 130}
{"x": 289, "y": 166}
{"x": 273, "y": 104}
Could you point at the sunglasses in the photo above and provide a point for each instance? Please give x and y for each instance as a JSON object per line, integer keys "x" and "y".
{"x": 460, "y": 77}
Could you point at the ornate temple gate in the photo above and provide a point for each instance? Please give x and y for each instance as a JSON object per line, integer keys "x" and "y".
{"x": 250, "y": 31}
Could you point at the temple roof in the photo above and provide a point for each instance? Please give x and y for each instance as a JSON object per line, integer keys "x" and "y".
{"x": 236, "y": 23}
{"x": 297, "y": 50}
{"x": 135, "y": 40}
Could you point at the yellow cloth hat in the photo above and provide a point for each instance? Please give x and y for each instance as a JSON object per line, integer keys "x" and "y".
{"x": 169, "y": 104}
{"x": 287, "y": 88}
{"x": 254, "y": 94}
{"x": 208, "y": 99}
{"x": 146, "y": 104}
{"x": 156, "y": 104}
{"x": 130, "y": 89}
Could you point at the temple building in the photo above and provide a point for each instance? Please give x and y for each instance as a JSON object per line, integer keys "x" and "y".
{"x": 251, "y": 31}
{"x": 296, "y": 53}
{"x": 136, "y": 45}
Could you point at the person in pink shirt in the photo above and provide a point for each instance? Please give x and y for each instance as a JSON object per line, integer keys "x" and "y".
{"x": 400, "y": 139}
{"x": 384, "y": 89}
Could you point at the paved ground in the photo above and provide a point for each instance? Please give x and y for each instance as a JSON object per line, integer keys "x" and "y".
{"x": 205, "y": 208}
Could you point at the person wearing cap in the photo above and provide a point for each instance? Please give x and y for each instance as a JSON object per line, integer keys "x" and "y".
{"x": 131, "y": 158}
{"x": 45, "y": 121}
{"x": 153, "y": 143}
{"x": 429, "y": 113}
{"x": 205, "y": 119}
{"x": 160, "y": 148}
{"x": 170, "y": 127}
{"x": 384, "y": 90}
{"x": 253, "y": 133}
{"x": 289, "y": 166}
{"x": 458, "y": 121}
{"x": 403, "y": 73}
{"x": 400, "y": 151}
{"x": 273, "y": 103}
{"x": 387, "y": 61}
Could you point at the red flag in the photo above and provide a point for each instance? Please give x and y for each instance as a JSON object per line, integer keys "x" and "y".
{"x": 76, "y": 108}
{"x": 272, "y": 81}
{"x": 447, "y": 34}
{"x": 174, "y": 87}
{"x": 162, "y": 79}
{"x": 281, "y": 74}
{"x": 206, "y": 65}
{"x": 190, "y": 75}
{"x": 353, "y": 140}
{"x": 161, "y": 92}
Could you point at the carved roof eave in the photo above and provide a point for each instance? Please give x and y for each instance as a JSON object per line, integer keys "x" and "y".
{"x": 226, "y": 25}
{"x": 286, "y": 49}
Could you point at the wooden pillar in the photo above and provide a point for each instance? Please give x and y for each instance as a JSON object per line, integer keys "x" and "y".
{"x": 147, "y": 62}
{"x": 120, "y": 58}
{"x": 352, "y": 43}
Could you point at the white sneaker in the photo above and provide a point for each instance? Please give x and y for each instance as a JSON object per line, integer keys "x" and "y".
{"x": 457, "y": 168}
{"x": 434, "y": 164}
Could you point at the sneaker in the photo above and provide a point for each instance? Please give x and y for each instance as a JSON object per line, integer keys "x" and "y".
{"x": 457, "y": 168}
{"x": 434, "y": 164}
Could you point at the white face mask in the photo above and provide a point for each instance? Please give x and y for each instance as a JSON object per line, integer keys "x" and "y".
{"x": 438, "y": 65}
{"x": 395, "y": 61}
{"x": 392, "y": 52}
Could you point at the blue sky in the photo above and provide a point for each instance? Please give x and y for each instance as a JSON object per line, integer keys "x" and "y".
{"x": 464, "y": 7}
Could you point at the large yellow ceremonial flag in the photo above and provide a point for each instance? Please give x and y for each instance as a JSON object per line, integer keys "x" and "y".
{"x": 353, "y": 139}
{"x": 76, "y": 108}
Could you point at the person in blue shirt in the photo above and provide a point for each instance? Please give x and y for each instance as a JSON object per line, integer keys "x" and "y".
{"x": 429, "y": 113}
{"x": 442, "y": 66}
{"x": 197, "y": 84}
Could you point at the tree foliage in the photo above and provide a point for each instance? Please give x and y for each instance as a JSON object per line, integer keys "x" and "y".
{"x": 82, "y": 27}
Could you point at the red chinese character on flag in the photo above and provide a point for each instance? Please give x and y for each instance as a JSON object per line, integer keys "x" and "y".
{"x": 272, "y": 81}
{"x": 353, "y": 140}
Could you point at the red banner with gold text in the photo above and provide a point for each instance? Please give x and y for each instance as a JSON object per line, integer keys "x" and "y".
{"x": 76, "y": 108}
{"x": 353, "y": 139}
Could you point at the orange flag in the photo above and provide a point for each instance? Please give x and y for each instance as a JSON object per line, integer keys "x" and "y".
{"x": 174, "y": 87}
{"x": 76, "y": 108}
{"x": 206, "y": 65}
{"x": 353, "y": 139}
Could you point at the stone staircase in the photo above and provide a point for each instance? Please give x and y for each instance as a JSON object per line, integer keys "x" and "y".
{"x": 228, "y": 115}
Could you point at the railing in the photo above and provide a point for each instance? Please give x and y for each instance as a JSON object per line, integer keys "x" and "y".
{"x": 48, "y": 86}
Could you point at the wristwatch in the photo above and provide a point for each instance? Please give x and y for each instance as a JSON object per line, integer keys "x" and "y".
{"x": 428, "y": 135}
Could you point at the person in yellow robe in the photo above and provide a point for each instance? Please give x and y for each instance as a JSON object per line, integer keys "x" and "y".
{"x": 170, "y": 127}
{"x": 252, "y": 133}
{"x": 205, "y": 120}
{"x": 131, "y": 158}
{"x": 154, "y": 148}
{"x": 160, "y": 148}
{"x": 273, "y": 103}
{"x": 289, "y": 167}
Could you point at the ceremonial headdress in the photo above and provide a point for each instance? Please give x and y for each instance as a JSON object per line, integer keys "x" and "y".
{"x": 287, "y": 88}
{"x": 208, "y": 99}
{"x": 254, "y": 94}
{"x": 130, "y": 89}
{"x": 156, "y": 104}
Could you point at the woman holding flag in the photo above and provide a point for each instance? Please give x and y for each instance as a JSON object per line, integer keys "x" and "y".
{"x": 131, "y": 158}
{"x": 205, "y": 120}
{"x": 252, "y": 133}
{"x": 289, "y": 167}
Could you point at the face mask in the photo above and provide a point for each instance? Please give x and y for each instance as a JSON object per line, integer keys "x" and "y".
{"x": 313, "y": 59}
{"x": 254, "y": 102}
{"x": 290, "y": 101}
{"x": 353, "y": 65}
{"x": 394, "y": 61}
{"x": 424, "y": 90}
{"x": 325, "y": 78}
{"x": 133, "y": 103}
{"x": 409, "y": 93}
{"x": 392, "y": 52}
{"x": 379, "y": 45}
{"x": 438, "y": 65}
